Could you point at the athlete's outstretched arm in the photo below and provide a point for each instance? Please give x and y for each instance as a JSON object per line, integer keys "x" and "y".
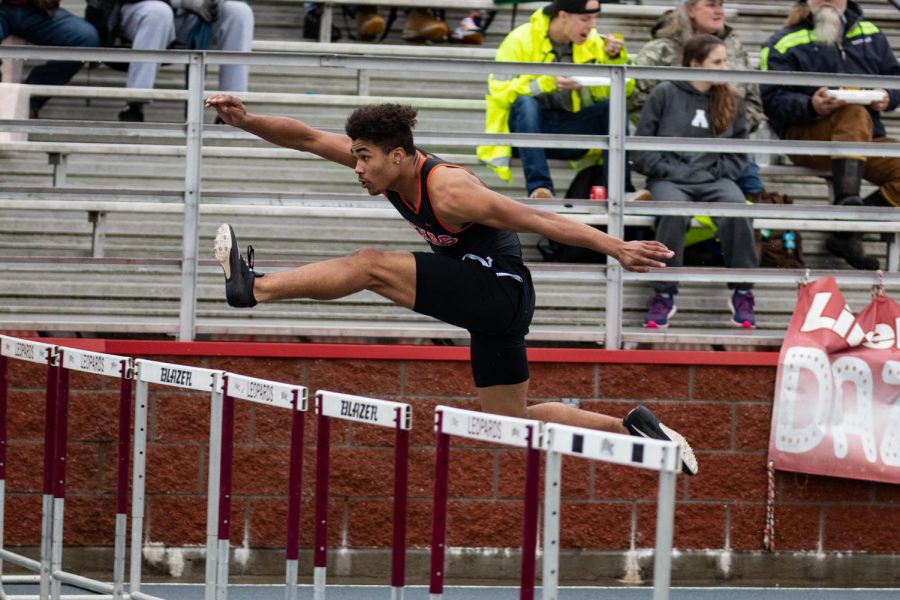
{"x": 284, "y": 131}
{"x": 458, "y": 197}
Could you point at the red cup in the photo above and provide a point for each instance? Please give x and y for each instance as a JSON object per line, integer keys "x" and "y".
{"x": 598, "y": 192}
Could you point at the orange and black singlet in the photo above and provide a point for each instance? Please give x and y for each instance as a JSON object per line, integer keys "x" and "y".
{"x": 471, "y": 239}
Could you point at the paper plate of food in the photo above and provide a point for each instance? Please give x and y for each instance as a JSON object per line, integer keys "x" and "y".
{"x": 857, "y": 96}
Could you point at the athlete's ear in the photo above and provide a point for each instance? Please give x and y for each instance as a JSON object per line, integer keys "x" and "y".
{"x": 397, "y": 154}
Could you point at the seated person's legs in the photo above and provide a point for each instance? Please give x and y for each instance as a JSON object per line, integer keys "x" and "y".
{"x": 738, "y": 247}
{"x": 670, "y": 230}
{"x": 150, "y": 25}
{"x": 232, "y": 32}
{"x": 883, "y": 171}
{"x": 525, "y": 117}
{"x": 850, "y": 123}
{"x": 62, "y": 29}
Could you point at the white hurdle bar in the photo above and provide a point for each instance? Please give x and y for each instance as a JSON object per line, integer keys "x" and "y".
{"x": 369, "y": 411}
{"x": 618, "y": 449}
{"x": 269, "y": 393}
{"x": 188, "y": 378}
{"x": 497, "y": 429}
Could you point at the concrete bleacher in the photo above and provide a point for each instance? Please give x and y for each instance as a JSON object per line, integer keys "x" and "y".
{"x": 133, "y": 297}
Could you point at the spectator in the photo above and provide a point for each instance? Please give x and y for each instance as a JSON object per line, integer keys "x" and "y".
{"x": 701, "y": 110}
{"x": 421, "y": 25}
{"x": 670, "y": 34}
{"x": 832, "y": 36}
{"x": 562, "y": 32}
{"x": 154, "y": 24}
{"x": 44, "y": 23}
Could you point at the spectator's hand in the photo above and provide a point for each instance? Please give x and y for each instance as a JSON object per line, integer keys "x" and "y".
{"x": 881, "y": 105}
{"x": 824, "y": 104}
{"x": 229, "y": 108}
{"x": 641, "y": 255}
{"x": 566, "y": 84}
{"x": 208, "y": 10}
{"x": 613, "y": 46}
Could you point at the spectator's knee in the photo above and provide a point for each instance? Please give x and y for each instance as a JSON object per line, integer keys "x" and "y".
{"x": 155, "y": 13}
{"x": 855, "y": 117}
{"x": 239, "y": 12}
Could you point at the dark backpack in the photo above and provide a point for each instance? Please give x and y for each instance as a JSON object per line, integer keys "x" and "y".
{"x": 779, "y": 248}
{"x": 580, "y": 187}
{"x": 105, "y": 16}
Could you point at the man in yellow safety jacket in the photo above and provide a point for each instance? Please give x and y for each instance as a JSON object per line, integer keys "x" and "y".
{"x": 560, "y": 32}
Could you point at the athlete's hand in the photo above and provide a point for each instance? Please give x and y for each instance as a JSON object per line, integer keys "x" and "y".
{"x": 229, "y": 108}
{"x": 641, "y": 255}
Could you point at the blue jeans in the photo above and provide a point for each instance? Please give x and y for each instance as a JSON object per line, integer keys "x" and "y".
{"x": 526, "y": 116}
{"x": 62, "y": 29}
{"x": 749, "y": 180}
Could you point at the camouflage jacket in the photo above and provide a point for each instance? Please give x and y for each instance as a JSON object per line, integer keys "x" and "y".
{"x": 666, "y": 52}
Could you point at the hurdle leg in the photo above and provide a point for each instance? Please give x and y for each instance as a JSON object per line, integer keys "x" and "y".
{"x": 138, "y": 484}
{"x": 59, "y": 483}
{"x": 295, "y": 484}
{"x": 53, "y": 374}
{"x": 439, "y": 522}
{"x": 320, "y": 553}
{"x": 401, "y": 479}
{"x": 124, "y": 444}
{"x": 212, "y": 489}
{"x": 530, "y": 516}
{"x": 4, "y": 399}
{"x": 665, "y": 519}
{"x": 227, "y": 462}
{"x": 552, "y": 488}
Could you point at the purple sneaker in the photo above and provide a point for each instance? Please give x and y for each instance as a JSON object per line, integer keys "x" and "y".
{"x": 662, "y": 307}
{"x": 741, "y": 305}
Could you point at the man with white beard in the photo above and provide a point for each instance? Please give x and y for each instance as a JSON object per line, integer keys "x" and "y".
{"x": 833, "y": 36}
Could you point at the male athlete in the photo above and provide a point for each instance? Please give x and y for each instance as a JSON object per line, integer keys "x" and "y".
{"x": 474, "y": 277}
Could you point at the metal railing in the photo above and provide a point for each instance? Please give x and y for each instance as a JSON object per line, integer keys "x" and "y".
{"x": 617, "y": 142}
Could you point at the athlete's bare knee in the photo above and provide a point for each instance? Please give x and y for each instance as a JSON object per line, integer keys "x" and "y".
{"x": 372, "y": 263}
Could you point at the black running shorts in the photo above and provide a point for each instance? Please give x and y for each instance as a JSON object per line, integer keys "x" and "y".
{"x": 492, "y": 298}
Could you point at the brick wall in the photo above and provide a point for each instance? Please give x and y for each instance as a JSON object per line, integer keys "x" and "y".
{"x": 724, "y": 410}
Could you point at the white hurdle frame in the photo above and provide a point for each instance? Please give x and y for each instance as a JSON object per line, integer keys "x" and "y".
{"x": 269, "y": 393}
{"x": 368, "y": 411}
{"x": 183, "y": 377}
{"x": 496, "y": 429}
{"x": 631, "y": 451}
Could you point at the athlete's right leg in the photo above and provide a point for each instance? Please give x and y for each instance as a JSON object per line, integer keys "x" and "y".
{"x": 389, "y": 274}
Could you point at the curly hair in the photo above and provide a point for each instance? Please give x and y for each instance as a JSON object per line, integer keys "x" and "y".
{"x": 723, "y": 98}
{"x": 388, "y": 125}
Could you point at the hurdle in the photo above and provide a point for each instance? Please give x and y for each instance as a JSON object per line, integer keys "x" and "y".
{"x": 183, "y": 377}
{"x": 44, "y": 354}
{"x": 221, "y": 461}
{"x": 618, "y": 449}
{"x": 498, "y": 429}
{"x": 55, "y": 457}
{"x": 381, "y": 413}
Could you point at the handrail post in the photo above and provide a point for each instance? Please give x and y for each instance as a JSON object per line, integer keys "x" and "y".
{"x": 616, "y": 184}
{"x": 193, "y": 157}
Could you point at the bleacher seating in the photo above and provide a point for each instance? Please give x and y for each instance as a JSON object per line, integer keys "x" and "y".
{"x": 126, "y": 293}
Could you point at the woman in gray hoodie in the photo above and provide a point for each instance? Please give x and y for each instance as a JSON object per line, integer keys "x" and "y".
{"x": 701, "y": 110}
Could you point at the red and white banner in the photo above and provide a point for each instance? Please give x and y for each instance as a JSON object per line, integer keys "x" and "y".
{"x": 837, "y": 395}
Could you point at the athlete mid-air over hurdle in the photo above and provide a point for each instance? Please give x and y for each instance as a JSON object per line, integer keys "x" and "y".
{"x": 474, "y": 277}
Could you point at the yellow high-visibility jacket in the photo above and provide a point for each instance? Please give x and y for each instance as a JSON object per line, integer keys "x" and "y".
{"x": 530, "y": 42}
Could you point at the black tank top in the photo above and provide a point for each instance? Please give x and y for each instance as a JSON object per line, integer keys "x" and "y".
{"x": 473, "y": 238}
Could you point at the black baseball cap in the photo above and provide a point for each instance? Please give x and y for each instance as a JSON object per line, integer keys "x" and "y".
{"x": 578, "y": 7}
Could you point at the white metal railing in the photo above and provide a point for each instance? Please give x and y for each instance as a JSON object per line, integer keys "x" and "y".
{"x": 616, "y": 142}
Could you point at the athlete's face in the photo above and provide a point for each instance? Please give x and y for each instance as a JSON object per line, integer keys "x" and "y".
{"x": 375, "y": 168}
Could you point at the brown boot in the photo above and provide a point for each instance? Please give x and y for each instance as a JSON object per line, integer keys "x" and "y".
{"x": 369, "y": 24}
{"x": 423, "y": 26}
